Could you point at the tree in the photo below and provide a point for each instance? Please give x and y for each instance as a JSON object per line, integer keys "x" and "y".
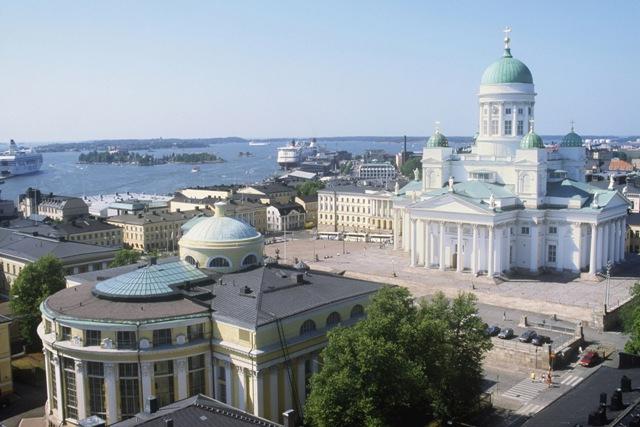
{"x": 125, "y": 257}
{"x": 404, "y": 364}
{"x": 410, "y": 165}
{"x": 630, "y": 321}
{"x": 34, "y": 284}
{"x": 310, "y": 188}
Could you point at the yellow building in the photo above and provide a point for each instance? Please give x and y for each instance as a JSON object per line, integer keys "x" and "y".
{"x": 633, "y": 233}
{"x": 270, "y": 193}
{"x": 151, "y": 231}
{"x": 310, "y": 205}
{"x": 249, "y": 336}
{"x": 6, "y": 381}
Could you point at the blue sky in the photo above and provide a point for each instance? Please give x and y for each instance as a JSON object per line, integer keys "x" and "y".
{"x": 142, "y": 69}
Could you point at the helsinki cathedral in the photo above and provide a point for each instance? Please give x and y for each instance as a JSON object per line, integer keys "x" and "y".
{"x": 510, "y": 204}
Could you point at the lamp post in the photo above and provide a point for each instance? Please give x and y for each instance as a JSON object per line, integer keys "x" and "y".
{"x": 607, "y": 286}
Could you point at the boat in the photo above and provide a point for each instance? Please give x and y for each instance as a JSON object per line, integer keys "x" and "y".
{"x": 257, "y": 143}
{"x": 19, "y": 161}
{"x": 293, "y": 154}
{"x": 195, "y": 169}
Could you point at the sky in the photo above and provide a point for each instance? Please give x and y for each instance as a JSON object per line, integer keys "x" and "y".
{"x": 82, "y": 70}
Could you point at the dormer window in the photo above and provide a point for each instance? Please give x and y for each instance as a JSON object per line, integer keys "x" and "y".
{"x": 482, "y": 176}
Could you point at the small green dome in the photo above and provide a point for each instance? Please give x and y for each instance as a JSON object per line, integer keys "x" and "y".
{"x": 437, "y": 140}
{"x": 507, "y": 70}
{"x": 531, "y": 141}
{"x": 571, "y": 139}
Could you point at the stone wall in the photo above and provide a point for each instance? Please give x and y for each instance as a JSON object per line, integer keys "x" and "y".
{"x": 518, "y": 355}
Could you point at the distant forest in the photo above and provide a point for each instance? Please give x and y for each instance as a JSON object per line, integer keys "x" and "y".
{"x": 134, "y": 144}
{"x": 146, "y": 159}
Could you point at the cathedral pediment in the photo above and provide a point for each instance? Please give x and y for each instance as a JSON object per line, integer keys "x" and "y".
{"x": 451, "y": 203}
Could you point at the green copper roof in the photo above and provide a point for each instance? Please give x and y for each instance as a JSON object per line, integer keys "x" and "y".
{"x": 507, "y": 70}
{"x": 153, "y": 281}
{"x": 571, "y": 139}
{"x": 437, "y": 140}
{"x": 531, "y": 141}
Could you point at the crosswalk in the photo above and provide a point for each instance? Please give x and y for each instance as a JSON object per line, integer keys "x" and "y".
{"x": 525, "y": 390}
{"x": 571, "y": 380}
{"x": 529, "y": 409}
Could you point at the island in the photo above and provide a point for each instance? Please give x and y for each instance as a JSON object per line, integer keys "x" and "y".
{"x": 126, "y": 157}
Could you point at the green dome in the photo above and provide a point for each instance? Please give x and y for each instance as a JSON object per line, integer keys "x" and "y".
{"x": 571, "y": 139}
{"x": 507, "y": 70}
{"x": 531, "y": 141}
{"x": 437, "y": 140}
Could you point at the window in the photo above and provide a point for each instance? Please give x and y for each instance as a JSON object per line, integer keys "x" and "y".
{"x": 520, "y": 111}
{"x": 92, "y": 337}
{"x": 524, "y": 230}
{"x": 507, "y": 110}
{"x": 190, "y": 260}
{"x": 162, "y": 337}
{"x": 66, "y": 333}
{"x": 53, "y": 393}
{"x": 129, "y": 389}
{"x": 507, "y": 127}
{"x": 553, "y": 230}
{"x": 357, "y": 311}
{"x": 219, "y": 262}
{"x": 552, "y": 253}
{"x": 529, "y": 110}
{"x": 333, "y": 319}
{"x": 520, "y": 129}
{"x": 196, "y": 375}
{"x": 494, "y": 109}
{"x": 250, "y": 260}
{"x": 126, "y": 340}
{"x": 95, "y": 381}
{"x": 70, "y": 396}
{"x": 195, "y": 332}
{"x": 485, "y": 110}
{"x": 307, "y": 327}
{"x": 494, "y": 127}
{"x": 164, "y": 382}
{"x": 47, "y": 326}
{"x": 221, "y": 394}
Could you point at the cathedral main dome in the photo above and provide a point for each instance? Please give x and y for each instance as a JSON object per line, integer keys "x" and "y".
{"x": 507, "y": 70}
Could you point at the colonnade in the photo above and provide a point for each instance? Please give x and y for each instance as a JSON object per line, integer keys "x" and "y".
{"x": 607, "y": 244}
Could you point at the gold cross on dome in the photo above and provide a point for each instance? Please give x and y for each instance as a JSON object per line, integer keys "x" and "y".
{"x": 507, "y": 34}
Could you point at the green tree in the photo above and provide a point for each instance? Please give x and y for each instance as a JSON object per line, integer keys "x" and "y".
{"x": 33, "y": 285}
{"x": 410, "y": 165}
{"x": 404, "y": 364}
{"x": 125, "y": 257}
{"x": 310, "y": 188}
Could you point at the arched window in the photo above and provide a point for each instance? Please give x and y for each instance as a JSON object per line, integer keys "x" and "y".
{"x": 190, "y": 260}
{"x": 249, "y": 260}
{"x": 219, "y": 262}
{"x": 333, "y": 319}
{"x": 307, "y": 327}
{"x": 357, "y": 311}
{"x": 526, "y": 183}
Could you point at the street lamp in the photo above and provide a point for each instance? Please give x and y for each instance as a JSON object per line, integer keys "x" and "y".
{"x": 607, "y": 286}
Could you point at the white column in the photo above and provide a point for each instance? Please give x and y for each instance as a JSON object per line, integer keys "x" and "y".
{"x": 427, "y": 244}
{"x": 110, "y": 384}
{"x": 612, "y": 241}
{"x": 474, "y": 251}
{"x": 414, "y": 234}
{"x": 80, "y": 390}
{"x": 490, "y": 254}
{"x": 273, "y": 394}
{"x": 600, "y": 248}
{"x": 442, "y": 232}
{"x": 560, "y": 249}
{"x": 227, "y": 382}
{"x": 623, "y": 236}
{"x": 606, "y": 256}
{"x": 210, "y": 374}
{"x": 258, "y": 402}
{"x": 181, "y": 367}
{"x": 242, "y": 384}
{"x": 147, "y": 369}
{"x": 287, "y": 388}
{"x": 533, "y": 262}
{"x": 593, "y": 251}
{"x": 459, "y": 259}
{"x": 396, "y": 233}
{"x": 48, "y": 373}
{"x": 500, "y": 119}
{"x": 514, "y": 119}
{"x": 499, "y": 257}
{"x": 300, "y": 383}
{"x": 616, "y": 240}
{"x": 576, "y": 235}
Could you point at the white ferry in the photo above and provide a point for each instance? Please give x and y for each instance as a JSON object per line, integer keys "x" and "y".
{"x": 294, "y": 153}
{"x": 19, "y": 161}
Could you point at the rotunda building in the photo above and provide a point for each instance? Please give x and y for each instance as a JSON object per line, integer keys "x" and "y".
{"x": 221, "y": 243}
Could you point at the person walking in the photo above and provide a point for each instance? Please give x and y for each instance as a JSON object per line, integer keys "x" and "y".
{"x": 504, "y": 316}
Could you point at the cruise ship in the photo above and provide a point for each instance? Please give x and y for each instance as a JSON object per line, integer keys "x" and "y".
{"x": 19, "y": 161}
{"x": 294, "y": 153}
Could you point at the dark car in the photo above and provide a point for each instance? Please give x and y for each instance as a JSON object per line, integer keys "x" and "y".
{"x": 492, "y": 331}
{"x": 590, "y": 358}
{"x": 527, "y": 336}
{"x": 506, "y": 333}
{"x": 540, "y": 340}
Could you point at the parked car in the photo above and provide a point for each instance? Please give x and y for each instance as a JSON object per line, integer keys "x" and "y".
{"x": 540, "y": 340}
{"x": 590, "y": 358}
{"x": 506, "y": 333}
{"x": 492, "y": 331}
{"x": 527, "y": 336}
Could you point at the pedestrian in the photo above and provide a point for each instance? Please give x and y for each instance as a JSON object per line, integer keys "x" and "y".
{"x": 504, "y": 316}
{"x": 533, "y": 377}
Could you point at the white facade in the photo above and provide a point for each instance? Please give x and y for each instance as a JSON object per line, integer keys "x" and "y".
{"x": 510, "y": 204}
{"x": 383, "y": 171}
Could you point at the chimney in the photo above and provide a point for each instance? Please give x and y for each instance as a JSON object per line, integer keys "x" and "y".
{"x": 297, "y": 278}
{"x": 289, "y": 418}
{"x": 151, "y": 405}
{"x": 168, "y": 422}
{"x": 625, "y": 384}
{"x": 219, "y": 208}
